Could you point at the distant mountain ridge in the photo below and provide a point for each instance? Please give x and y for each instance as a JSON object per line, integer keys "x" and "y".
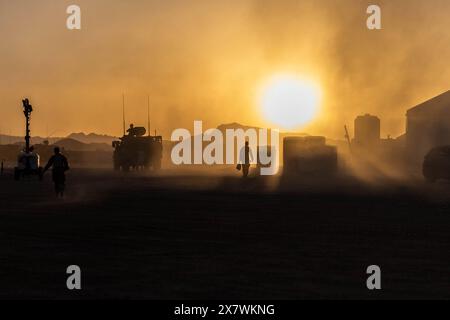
{"x": 91, "y": 138}
{"x": 102, "y": 139}
{"x": 75, "y": 145}
{"x": 235, "y": 126}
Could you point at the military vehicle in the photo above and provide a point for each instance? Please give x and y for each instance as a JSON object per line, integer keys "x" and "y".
{"x": 135, "y": 151}
{"x": 28, "y": 161}
{"x": 436, "y": 164}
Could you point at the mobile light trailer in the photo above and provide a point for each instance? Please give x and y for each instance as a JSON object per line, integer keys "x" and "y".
{"x": 28, "y": 162}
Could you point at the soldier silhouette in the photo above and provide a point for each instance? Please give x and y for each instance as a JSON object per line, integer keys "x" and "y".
{"x": 245, "y": 159}
{"x": 131, "y": 131}
{"x": 59, "y": 165}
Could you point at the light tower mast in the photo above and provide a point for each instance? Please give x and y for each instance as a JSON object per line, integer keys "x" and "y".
{"x": 27, "y": 109}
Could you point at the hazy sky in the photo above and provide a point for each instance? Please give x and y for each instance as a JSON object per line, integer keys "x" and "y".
{"x": 206, "y": 59}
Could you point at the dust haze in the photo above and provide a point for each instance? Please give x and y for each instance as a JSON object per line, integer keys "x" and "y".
{"x": 206, "y": 59}
{"x": 141, "y": 227}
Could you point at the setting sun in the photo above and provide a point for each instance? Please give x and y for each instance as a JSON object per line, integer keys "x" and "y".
{"x": 290, "y": 102}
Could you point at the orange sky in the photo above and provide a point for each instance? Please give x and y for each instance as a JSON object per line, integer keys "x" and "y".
{"x": 205, "y": 60}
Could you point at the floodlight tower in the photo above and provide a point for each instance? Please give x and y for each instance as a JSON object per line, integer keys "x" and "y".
{"x": 27, "y": 109}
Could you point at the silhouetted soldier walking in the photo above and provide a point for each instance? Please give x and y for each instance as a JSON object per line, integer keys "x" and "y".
{"x": 60, "y": 166}
{"x": 246, "y": 157}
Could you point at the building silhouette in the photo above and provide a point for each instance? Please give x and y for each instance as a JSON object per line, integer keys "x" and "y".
{"x": 367, "y": 131}
{"x": 428, "y": 126}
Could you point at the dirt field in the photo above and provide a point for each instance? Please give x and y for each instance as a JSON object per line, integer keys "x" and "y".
{"x": 220, "y": 237}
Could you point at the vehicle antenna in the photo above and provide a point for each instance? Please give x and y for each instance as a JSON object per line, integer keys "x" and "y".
{"x": 148, "y": 114}
{"x": 123, "y": 112}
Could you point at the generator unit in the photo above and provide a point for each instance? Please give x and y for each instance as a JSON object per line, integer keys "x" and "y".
{"x": 309, "y": 156}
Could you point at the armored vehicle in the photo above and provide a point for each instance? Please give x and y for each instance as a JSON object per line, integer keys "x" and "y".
{"x": 436, "y": 164}
{"x": 135, "y": 151}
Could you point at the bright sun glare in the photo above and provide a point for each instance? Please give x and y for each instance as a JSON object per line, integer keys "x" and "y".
{"x": 290, "y": 102}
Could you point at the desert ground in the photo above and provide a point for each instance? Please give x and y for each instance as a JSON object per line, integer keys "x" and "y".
{"x": 202, "y": 236}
